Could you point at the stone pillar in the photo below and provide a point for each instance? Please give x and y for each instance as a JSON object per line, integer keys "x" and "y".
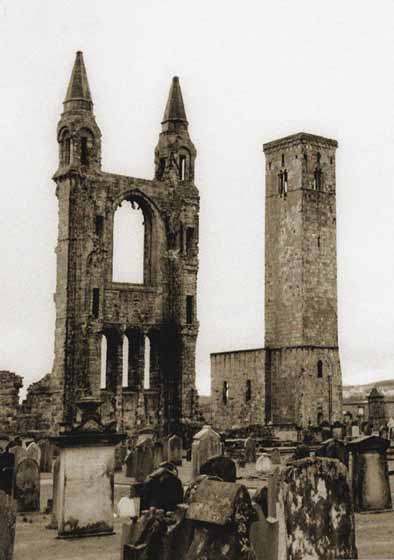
{"x": 371, "y": 485}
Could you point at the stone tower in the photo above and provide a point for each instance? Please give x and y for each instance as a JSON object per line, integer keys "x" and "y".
{"x": 159, "y": 312}
{"x": 303, "y": 374}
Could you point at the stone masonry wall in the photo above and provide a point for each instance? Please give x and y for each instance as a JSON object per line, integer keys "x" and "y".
{"x": 236, "y": 369}
{"x": 10, "y": 384}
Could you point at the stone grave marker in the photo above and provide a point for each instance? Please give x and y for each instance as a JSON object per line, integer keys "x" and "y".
{"x": 27, "y": 486}
{"x": 158, "y": 455}
{"x": 276, "y": 457}
{"x": 355, "y": 431}
{"x": 34, "y": 452}
{"x": 264, "y": 464}
{"x": 175, "y": 449}
{"x": 319, "y": 487}
{"x": 144, "y": 459}
{"x": 250, "y": 450}
{"x": 220, "y": 466}
{"x": 7, "y": 525}
{"x": 47, "y": 450}
{"x": 7, "y": 466}
{"x": 20, "y": 454}
{"x": 162, "y": 489}
{"x": 131, "y": 464}
{"x": 206, "y": 444}
{"x": 370, "y": 478}
{"x": 55, "y": 494}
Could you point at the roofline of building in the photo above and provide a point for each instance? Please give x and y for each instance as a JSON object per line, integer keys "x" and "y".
{"x": 299, "y": 138}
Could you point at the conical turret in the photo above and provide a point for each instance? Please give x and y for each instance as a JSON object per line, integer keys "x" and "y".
{"x": 175, "y": 152}
{"x": 78, "y": 96}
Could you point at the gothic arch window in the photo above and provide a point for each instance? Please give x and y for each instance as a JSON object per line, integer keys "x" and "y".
{"x": 184, "y": 165}
{"x": 319, "y": 369}
{"x": 147, "y": 361}
{"x": 65, "y": 146}
{"x": 103, "y": 362}
{"x": 225, "y": 392}
{"x": 86, "y": 148}
{"x": 128, "y": 243}
{"x": 248, "y": 391}
{"x": 125, "y": 361}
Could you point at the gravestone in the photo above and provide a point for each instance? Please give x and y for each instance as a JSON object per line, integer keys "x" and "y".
{"x": 264, "y": 464}
{"x": 47, "y": 452}
{"x": 206, "y": 444}
{"x": 7, "y": 525}
{"x": 276, "y": 458}
{"x": 355, "y": 431}
{"x": 34, "y": 452}
{"x": 250, "y": 450}
{"x": 144, "y": 453}
{"x": 20, "y": 454}
{"x": 27, "y": 486}
{"x": 162, "y": 489}
{"x": 127, "y": 507}
{"x": 334, "y": 449}
{"x": 370, "y": 478}
{"x": 7, "y": 466}
{"x": 131, "y": 464}
{"x": 55, "y": 494}
{"x": 220, "y": 466}
{"x": 175, "y": 450}
{"x": 315, "y": 511}
{"x": 158, "y": 455}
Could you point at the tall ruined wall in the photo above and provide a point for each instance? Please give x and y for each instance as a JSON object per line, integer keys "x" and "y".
{"x": 35, "y": 413}
{"x": 238, "y": 388}
{"x": 10, "y": 384}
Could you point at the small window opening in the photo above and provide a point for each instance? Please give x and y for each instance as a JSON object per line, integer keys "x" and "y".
{"x": 162, "y": 166}
{"x": 248, "y": 392}
{"x": 189, "y": 240}
{"x": 318, "y": 157}
{"x": 182, "y": 168}
{"x": 283, "y": 160}
{"x": 99, "y": 225}
{"x": 181, "y": 247}
{"x": 84, "y": 150}
{"x": 280, "y": 183}
{"x": 225, "y": 392}
{"x": 317, "y": 179}
{"x": 285, "y": 184}
{"x": 146, "y": 363}
{"x": 189, "y": 309}
{"x": 318, "y": 241}
{"x": 125, "y": 362}
{"x": 269, "y": 165}
{"x": 331, "y": 160}
{"x": 320, "y": 369}
{"x": 96, "y": 302}
{"x": 67, "y": 150}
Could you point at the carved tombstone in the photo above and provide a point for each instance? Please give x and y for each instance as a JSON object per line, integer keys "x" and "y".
{"x": 319, "y": 487}
{"x": 206, "y": 444}
{"x": 7, "y": 525}
{"x": 144, "y": 453}
{"x": 264, "y": 464}
{"x": 20, "y": 454}
{"x": 175, "y": 448}
{"x": 276, "y": 458}
{"x": 27, "y": 486}
{"x": 371, "y": 485}
{"x": 34, "y": 452}
{"x": 220, "y": 466}
{"x": 250, "y": 450}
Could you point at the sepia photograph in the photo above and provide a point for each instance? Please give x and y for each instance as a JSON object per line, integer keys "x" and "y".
{"x": 196, "y": 281}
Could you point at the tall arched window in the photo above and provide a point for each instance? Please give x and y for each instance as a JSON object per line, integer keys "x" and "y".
{"x": 147, "y": 363}
{"x": 319, "y": 369}
{"x": 128, "y": 247}
{"x": 225, "y": 392}
{"x": 103, "y": 363}
{"x": 125, "y": 362}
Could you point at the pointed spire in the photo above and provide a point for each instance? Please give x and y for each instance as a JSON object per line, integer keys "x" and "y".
{"x": 175, "y": 109}
{"x": 78, "y": 92}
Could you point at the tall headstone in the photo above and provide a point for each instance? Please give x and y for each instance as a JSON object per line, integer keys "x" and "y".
{"x": 145, "y": 463}
{"x": 27, "y": 486}
{"x": 7, "y": 525}
{"x": 250, "y": 450}
{"x": 319, "y": 487}
{"x": 175, "y": 449}
{"x": 34, "y": 452}
{"x": 206, "y": 444}
{"x": 158, "y": 454}
{"x": 85, "y": 490}
{"x": 47, "y": 449}
{"x": 370, "y": 478}
{"x": 264, "y": 464}
{"x": 20, "y": 454}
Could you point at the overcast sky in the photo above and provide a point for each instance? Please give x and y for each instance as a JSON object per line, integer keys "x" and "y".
{"x": 250, "y": 72}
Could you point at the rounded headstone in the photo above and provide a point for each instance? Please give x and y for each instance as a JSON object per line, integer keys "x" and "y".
{"x": 264, "y": 464}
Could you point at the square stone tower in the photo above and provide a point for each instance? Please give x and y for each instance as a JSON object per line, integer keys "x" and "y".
{"x": 303, "y": 374}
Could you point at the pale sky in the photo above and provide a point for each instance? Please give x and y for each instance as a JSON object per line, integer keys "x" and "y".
{"x": 250, "y": 72}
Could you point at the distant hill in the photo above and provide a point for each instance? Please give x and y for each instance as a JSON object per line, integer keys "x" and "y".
{"x": 361, "y": 392}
